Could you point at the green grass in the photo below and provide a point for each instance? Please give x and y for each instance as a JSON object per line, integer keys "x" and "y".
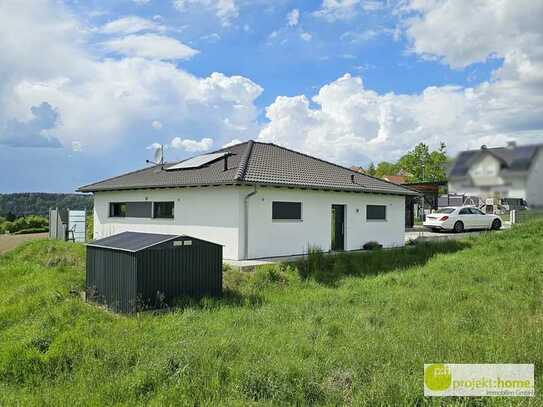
{"x": 359, "y": 338}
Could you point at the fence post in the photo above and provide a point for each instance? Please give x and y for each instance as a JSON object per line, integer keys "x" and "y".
{"x": 513, "y": 216}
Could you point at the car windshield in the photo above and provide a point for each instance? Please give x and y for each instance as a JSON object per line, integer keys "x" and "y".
{"x": 445, "y": 210}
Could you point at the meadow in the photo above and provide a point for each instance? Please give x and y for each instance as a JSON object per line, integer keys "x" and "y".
{"x": 353, "y": 330}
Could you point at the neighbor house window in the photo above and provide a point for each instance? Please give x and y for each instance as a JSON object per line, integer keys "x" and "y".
{"x": 163, "y": 210}
{"x": 376, "y": 212}
{"x": 117, "y": 209}
{"x": 286, "y": 210}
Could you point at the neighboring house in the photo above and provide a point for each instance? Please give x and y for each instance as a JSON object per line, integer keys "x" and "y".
{"x": 256, "y": 199}
{"x": 396, "y": 179}
{"x": 508, "y": 172}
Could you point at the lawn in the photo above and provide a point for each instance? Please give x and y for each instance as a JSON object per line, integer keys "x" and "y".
{"x": 285, "y": 335}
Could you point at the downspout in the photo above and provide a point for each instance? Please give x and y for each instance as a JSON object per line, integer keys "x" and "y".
{"x": 246, "y": 223}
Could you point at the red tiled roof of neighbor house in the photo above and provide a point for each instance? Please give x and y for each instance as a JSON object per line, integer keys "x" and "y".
{"x": 397, "y": 179}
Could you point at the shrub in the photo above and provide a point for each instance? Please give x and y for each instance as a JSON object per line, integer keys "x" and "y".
{"x": 269, "y": 275}
{"x": 373, "y": 245}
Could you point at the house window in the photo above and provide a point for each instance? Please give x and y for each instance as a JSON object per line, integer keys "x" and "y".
{"x": 117, "y": 209}
{"x": 376, "y": 212}
{"x": 163, "y": 210}
{"x": 141, "y": 209}
{"x": 286, "y": 210}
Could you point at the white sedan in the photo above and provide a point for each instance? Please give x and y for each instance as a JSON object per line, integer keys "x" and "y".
{"x": 461, "y": 218}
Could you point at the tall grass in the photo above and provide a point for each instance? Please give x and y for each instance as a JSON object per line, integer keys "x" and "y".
{"x": 279, "y": 336}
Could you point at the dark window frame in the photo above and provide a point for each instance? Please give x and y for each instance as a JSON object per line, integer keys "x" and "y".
{"x": 373, "y": 218}
{"x": 278, "y": 214}
{"x": 159, "y": 203}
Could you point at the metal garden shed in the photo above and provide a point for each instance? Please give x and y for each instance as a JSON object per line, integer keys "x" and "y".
{"x": 131, "y": 271}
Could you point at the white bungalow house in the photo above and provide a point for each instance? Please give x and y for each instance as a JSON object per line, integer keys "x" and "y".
{"x": 257, "y": 200}
{"x": 510, "y": 173}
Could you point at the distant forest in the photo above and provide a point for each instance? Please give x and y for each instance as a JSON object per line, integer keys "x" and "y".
{"x": 38, "y": 203}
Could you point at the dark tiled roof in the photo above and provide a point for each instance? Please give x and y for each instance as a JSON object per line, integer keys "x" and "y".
{"x": 254, "y": 163}
{"x": 517, "y": 159}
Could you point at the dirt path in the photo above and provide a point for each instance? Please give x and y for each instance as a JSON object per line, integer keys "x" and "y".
{"x": 9, "y": 242}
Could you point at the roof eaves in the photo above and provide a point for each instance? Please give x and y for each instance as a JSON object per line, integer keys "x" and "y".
{"x": 404, "y": 191}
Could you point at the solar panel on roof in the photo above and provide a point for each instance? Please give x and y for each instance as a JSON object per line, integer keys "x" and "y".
{"x": 196, "y": 162}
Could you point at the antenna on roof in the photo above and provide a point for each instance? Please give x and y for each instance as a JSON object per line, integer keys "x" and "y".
{"x": 158, "y": 156}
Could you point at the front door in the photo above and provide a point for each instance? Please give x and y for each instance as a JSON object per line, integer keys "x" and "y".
{"x": 338, "y": 227}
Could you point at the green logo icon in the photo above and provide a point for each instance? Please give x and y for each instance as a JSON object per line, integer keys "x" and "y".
{"x": 437, "y": 377}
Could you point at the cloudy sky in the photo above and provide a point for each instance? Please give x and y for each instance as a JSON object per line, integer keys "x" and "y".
{"x": 88, "y": 87}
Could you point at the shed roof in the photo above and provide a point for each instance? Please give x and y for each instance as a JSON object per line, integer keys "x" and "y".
{"x": 131, "y": 241}
{"x": 253, "y": 163}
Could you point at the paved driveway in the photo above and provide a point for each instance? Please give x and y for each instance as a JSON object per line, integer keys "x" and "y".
{"x": 425, "y": 234}
{"x": 9, "y": 242}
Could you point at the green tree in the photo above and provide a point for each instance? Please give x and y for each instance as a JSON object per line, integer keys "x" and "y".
{"x": 371, "y": 169}
{"x": 386, "y": 168}
{"x": 423, "y": 165}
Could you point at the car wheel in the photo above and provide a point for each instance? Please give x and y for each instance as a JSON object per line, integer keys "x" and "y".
{"x": 458, "y": 227}
{"x": 497, "y": 224}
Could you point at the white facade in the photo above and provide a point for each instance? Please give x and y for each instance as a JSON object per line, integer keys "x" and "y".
{"x": 487, "y": 180}
{"x": 217, "y": 214}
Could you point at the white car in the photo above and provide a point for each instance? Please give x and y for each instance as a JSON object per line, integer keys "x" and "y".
{"x": 461, "y": 218}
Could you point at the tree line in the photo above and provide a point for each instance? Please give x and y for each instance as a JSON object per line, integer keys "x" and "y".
{"x": 418, "y": 165}
{"x": 16, "y": 205}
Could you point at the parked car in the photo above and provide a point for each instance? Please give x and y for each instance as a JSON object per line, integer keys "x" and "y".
{"x": 461, "y": 218}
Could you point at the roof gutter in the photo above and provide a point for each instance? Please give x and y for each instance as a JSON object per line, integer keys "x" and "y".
{"x": 246, "y": 222}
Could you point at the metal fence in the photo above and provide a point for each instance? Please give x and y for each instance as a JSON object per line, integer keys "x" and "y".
{"x": 523, "y": 216}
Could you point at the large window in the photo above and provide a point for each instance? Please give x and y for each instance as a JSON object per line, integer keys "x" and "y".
{"x": 117, "y": 209}
{"x": 141, "y": 209}
{"x": 376, "y": 212}
{"x": 286, "y": 210}
{"x": 138, "y": 209}
{"x": 163, "y": 210}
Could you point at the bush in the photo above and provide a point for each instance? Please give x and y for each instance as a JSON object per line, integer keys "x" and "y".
{"x": 372, "y": 245}
{"x": 24, "y": 223}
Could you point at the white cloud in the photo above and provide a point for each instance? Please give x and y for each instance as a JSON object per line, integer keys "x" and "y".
{"x": 232, "y": 143}
{"x": 105, "y": 103}
{"x": 293, "y": 17}
{"x": 152, "y": 46}
{"x": 153, "y": 146}
{"x": 141, "y": 2}
{"x": 225, "y": 10}
{"x": 156, "y": 124}
{"x": 462, "y": 32}
{"x": 351, "y": 122}
{"x": 359, "y": 36}
{"x": 305, "y": 36}
{"x": 192, "y": 146}
{"x": 130, "y": 25}
{"x": 213, "y": 37}
{"x": 333, "y": 10}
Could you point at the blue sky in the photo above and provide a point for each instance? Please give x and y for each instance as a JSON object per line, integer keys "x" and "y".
{"x": 89, "y": 86}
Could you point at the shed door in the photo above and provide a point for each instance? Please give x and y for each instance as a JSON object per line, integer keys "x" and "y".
{"x": 338, "y": 227}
